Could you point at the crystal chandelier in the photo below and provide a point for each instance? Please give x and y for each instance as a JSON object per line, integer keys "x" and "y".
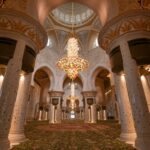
{"x": 72, "y": 63}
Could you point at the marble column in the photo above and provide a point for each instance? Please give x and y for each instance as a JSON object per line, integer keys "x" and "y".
{"x": 137, "y": 98}
{"x": 46, "y": 115}
{"x": 31, "y": 108}
{"x": 90, "y": 115}
{"x": 148, "y": 80}
{"x": 104, "y": 114}
{"x": 93, "y": 113}
{"x": 128, "y": 133}
{"x": 1, "y": 81}
{"x": 55, "y": 105}
{"x": 9, "y": 93}
{"x": 80, "y": 114}
{"x": 146, "y": 90}
{"x": 16, "y": 133}
{"x": 98, "y": 115}
{"x": 118, "y": 113}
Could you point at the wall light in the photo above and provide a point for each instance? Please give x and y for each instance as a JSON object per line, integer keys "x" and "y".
{"x": 1, "y": 77}
{"x": 22, "y": 77}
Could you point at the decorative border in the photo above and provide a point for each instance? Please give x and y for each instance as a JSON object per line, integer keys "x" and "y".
{"x": 56, "y": 93}
{"x": 89, "y": 93}
{"x": 135, "y": 20}
{"x": 15, "y": 21}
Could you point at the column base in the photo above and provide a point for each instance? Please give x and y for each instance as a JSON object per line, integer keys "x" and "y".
{"x": 143, "y": 143}
{"x": 128, "y": 138}
{"x": 4, "y": 144}
{"x": 16, "y": 139}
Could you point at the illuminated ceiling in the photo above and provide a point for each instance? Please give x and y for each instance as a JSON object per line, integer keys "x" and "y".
{"x": 81, "y": 14}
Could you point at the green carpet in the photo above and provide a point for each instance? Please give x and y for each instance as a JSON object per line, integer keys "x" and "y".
{"x": 73, "y": 136}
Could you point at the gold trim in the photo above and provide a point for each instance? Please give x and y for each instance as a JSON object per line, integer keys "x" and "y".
{"x": 15, "y": 21}
{"x": 135, "y": 20}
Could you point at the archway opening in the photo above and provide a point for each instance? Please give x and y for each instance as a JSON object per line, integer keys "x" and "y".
{"x": 70, "y": 113}
{"x": 38, "y": 106}
{"x": 105, "y": 99}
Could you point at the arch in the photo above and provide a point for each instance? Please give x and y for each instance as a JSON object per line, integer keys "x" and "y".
{"x": 95, "y": 73}
{"x": 79, "y": 76}
{"x": 49, "y": 73}
{"x": 105, "y": 9}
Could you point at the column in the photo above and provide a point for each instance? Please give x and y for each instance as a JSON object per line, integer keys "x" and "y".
{"x": 90, "y": 115}
{"x": 98, "y": 114}
{"x": 2, "y": 73}
{"x": 148, "y": 80}
{"x": 40, "y": 115}
{"x": 137, "y": 98}
{"x": 46, "y": 115}
{"x": 9, "y": 93}
{"x": 55, "y": 105}
{"x": 80, "y": 114}
{"x": 62, "y": 115}
{"x": 104, "y": 114}
{"x": 128, "y": 133}
{"x": 146, "y": 90}
{"x": 93, "y": 113}
{"x": 118, "y": 113}
{"x": 86, "y": 113}
{"x": 101, "y": 113}
{"x": 31, "y": 105}
{"x": 16, "y": 133}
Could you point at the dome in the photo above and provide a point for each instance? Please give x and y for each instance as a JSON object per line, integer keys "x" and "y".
{"x": 81, "y": 14}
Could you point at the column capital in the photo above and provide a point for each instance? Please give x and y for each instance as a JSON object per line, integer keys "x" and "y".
{"x": 16, "y": 24}
{"x": 132, "y": 21}
{"x": 56, "y": 93}
{"x": 89, "y": 93}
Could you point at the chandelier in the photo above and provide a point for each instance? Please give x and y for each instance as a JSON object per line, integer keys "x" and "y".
{"x": 72, "y": 63}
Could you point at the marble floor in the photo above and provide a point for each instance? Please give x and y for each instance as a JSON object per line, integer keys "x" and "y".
{"x": 73, "y": 135}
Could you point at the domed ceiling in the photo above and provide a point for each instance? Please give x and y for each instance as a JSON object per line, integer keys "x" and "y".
{"x": 81, "y": 14}
{"x": 59, "y": 25}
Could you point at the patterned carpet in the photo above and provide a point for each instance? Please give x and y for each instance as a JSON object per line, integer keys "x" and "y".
{"x": 73, "y": 136}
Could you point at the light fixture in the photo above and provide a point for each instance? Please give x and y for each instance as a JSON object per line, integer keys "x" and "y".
{"x": 72, "y": 63}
